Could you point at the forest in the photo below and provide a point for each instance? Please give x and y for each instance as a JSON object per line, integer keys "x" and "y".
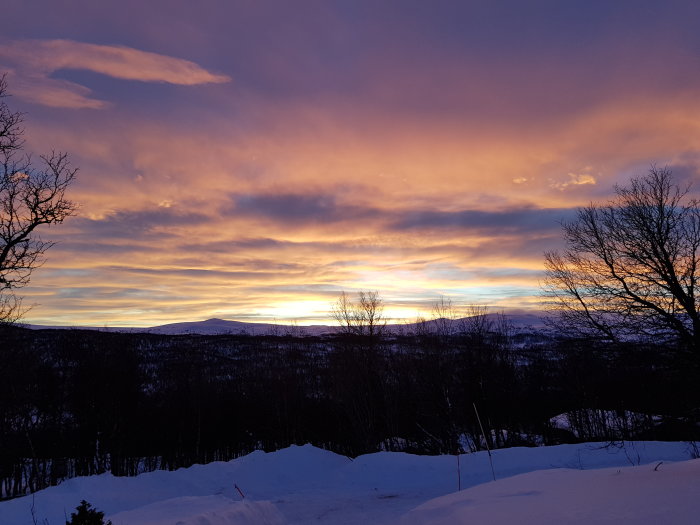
{"x": 82, "y": 402}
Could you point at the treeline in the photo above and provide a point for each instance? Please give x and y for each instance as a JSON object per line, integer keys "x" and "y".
{"x": 85, "y": 402}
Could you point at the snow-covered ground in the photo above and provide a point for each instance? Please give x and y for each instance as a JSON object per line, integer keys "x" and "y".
{"x": 306, "y": 485}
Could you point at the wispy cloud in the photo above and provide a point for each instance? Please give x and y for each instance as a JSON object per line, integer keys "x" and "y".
{"x": 583, "y": 178}
{"x": 138, "y": 225}
{"x": 33, "y": 62}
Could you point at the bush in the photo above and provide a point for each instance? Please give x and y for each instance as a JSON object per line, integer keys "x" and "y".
{"x": 87, "y": 515}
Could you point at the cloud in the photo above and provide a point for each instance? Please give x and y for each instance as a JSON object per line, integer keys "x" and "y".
{"x": 322, "y": 208}
{"x": 526, "y": 219}
{"x": 95, "y": 247}
{"x": 419, "y": 152}
{"x": 35, "y": 60}
{"x": 314, "y": 208}
{"x": 56, "y": 93}
{"x": 575, "y": 179}
{"x": 138, "y": 225}
{"x": 196, "y": 273}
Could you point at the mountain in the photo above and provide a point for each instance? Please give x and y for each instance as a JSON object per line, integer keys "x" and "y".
{"x": 212, "y": 326}
{"x": 520, "y": 323}
{"x": 221, "y": 326}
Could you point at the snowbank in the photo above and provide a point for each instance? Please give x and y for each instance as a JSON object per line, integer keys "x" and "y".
{"x": 301, "y": 485}
{"x": 639, "y": 495}
{"x": 206, "y": 510}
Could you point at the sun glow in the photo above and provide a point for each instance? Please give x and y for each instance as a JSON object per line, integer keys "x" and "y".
{"x": 303, "y": 312}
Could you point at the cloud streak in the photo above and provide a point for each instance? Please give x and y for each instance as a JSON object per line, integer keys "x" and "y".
{"x": 33, "y": 62}
{"x": 518, "y": 220}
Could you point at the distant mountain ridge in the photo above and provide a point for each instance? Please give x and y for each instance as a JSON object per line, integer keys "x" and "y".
{"x": 217, "y": 326}
{"x": 520, "y": 322}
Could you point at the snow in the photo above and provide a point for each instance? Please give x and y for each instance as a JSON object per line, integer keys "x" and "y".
{"x": 203, "y": 510}
{"x": 641, "y": 495}
{"x": 303, "y": 484}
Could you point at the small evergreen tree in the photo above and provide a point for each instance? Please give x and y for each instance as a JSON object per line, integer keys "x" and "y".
{"x": 87, "y": 515}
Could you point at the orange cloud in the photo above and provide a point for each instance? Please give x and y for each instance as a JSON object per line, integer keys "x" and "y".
{"x": 35, "y": 60}
{"x": 244, "y": 217}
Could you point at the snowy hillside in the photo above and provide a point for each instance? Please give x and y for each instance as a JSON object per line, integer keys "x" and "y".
{"x": 304, "y": 485}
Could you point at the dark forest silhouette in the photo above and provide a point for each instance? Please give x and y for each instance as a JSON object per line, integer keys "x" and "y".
{"x": 80, "y": 402}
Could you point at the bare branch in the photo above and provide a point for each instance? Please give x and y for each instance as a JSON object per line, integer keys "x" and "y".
{"x": 363, "y": 317}
{"x": 630, "y": 266}
{"x": 30, "y": 197}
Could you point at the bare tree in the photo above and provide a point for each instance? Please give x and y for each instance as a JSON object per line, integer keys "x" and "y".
{"x": 445, "y": 319}
{"x": 363, "y": 317}
{"x": 477, "y": 323}
{"x": 630, "y": 268}
{"x": 444, "y": 315}
{"x": 482, "y": 326}
{"x": 29, "y": 198}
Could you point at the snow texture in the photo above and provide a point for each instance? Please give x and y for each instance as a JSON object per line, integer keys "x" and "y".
{"x": 642, "y": 495}
{"x": 302, "y": 485}
{"x": 202, "y": 510}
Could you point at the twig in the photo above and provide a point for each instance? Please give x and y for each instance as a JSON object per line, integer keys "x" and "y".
{"x": 459, "y": 475}
{"x": 493, "y": 472}
{"x": 33, "y": 510}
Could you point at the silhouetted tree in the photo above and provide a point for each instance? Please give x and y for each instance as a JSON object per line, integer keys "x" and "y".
{"x": 630, "y": 268}
{"x": 29, "y": 197}
{"x": 85, "y": 514}
{"x": 363, "y": 317}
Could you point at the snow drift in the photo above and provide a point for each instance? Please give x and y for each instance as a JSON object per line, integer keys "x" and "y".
{"x": 302, "y": 485}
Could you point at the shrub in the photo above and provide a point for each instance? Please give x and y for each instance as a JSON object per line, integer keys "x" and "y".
{"x": 87, "y": 515}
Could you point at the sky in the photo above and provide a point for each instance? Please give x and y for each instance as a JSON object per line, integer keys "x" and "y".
{"x": 250, "y": 160}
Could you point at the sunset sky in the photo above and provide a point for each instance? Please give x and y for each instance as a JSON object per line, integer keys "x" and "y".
{"x": 249, "y": 160}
